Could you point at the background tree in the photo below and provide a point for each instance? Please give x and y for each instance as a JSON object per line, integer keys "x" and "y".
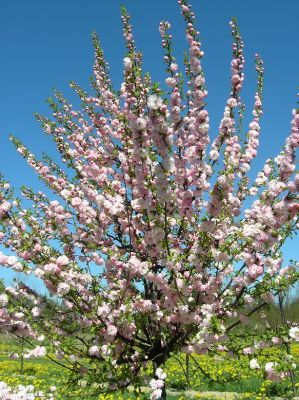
{"x": 156, "y": 241}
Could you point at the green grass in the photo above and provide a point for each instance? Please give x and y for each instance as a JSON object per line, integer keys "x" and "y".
{"x": 42, "y": 373}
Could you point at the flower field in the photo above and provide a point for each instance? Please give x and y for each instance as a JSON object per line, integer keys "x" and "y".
{"x": 218, "y": 377}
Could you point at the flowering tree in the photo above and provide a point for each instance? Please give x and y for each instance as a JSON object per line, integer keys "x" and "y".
{"x": 147, "y": 248}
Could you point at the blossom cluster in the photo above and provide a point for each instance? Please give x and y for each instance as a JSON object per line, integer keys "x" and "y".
{"x": 157, "y": 384}
{"x": 23, "y": 393}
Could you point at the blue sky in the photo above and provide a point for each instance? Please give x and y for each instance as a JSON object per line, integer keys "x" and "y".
{"x": 45, "y": 44}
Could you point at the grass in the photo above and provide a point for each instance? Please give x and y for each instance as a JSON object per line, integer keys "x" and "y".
{"x": 42, "y": 373}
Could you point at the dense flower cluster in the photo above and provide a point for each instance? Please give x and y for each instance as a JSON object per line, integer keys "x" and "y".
{"x": 22, "y": 393}
{"x": 148, "y": 247}
{"x": 294, "y": 333}
{"x": 157, "y": 384}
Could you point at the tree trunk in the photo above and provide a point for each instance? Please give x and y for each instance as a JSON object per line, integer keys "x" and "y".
{"x": 22, "y": 356}
{"x": 163, "y": 396}
{"x": 188, "y": 371}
